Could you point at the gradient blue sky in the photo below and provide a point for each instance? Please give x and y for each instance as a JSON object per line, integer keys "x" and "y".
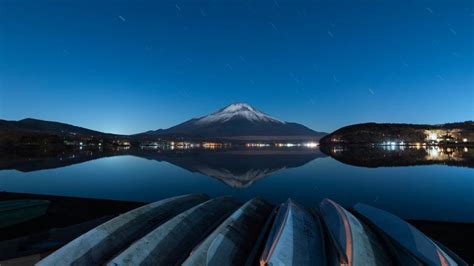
{"x": 132, "y": 66}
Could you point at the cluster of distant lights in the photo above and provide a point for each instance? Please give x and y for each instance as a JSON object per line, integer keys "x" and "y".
{"x": 283, "y": 145}
{"x": 433, "y": 152}
{"x": 401, "y": 143}
{"x": 393, "y": 143}
{"x": 433, "y": 137}
{"x": 213, "y": 145}
{"x": 189, "y": 145}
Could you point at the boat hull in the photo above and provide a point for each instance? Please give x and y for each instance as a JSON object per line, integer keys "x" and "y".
{"x": 101, "y": 243}
{"x": 406, "y": 237}
{"x": 232, "y": 242}
{"x": 353, "y": 242}
{"x": 14, "y": 212}
{"x": 295, "y": 238}
{"x": 171, "y": 243}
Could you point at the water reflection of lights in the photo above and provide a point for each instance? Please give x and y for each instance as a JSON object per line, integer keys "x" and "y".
{"x": 394, "y": 155}
{"x": 212, "y": 145}
{"x": 390, "y": 146}
{"x": 393, "y": 143}
{"x": 433, "y": 152}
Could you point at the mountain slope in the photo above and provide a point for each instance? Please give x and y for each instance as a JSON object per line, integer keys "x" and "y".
{"x": 410, "y": 133}
{"x": 239, "y": 120}
{"x": 36, "y": 125}
{"x": 39, "y": 132}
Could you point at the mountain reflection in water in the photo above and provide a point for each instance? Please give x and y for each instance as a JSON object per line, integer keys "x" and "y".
{"x": 242, "y": 167}
{"x": 237, "y": 168}
{"x": 305, "y": 174}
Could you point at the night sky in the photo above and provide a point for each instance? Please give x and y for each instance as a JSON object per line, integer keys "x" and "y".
{"x": 128, "y": 67}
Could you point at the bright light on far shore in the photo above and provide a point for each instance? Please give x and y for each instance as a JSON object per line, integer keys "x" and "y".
{"x": 433, "y": 136}
{"x": 311, "y": 144}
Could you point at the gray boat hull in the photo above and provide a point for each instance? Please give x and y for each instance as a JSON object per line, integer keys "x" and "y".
{"x": 295, "y": 238}
{"x": 407, "y": 237}
{"x": 171, "y": 243}
{"x": 232, "y": 242}
{"x": 13, "y": 212}
{"x": 354, "y": 243}
{"x": 101, "y": 243}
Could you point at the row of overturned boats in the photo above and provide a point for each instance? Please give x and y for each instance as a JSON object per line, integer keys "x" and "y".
{"x": 196, "y": 230}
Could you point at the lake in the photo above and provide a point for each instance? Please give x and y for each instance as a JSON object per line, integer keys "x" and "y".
{"x": 415, "y": 183}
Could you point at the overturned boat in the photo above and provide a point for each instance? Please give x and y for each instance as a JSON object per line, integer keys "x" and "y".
{"x": 296, "y": 238}
{"x": 233, "y": 241}
{"x": 410, "y": 246}
{"x": 13, "y": 212}
{"x": 193, "y": 230}
{"x": 353, "y": 243}
{"x": 170, "y": 243}
{"x": 99, "y": 244}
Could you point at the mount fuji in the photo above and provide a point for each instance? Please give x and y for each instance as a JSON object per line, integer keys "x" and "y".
{"x": 240, "y": 121}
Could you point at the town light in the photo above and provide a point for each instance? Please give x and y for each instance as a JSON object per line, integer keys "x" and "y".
{"x": 433, "y": 136}
{"x": 311, "y": 144}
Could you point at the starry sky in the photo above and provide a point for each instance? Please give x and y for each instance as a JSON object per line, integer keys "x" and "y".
{"x": 131, "y": 66}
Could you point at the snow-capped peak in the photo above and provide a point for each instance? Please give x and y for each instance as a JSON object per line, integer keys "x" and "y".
{"x": 241, "y": 110}
{"x": 237, "y": 107}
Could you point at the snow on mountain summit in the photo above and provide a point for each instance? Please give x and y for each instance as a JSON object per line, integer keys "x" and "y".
{"x": 237, "y": 110}
{"x": 235, "y": 107}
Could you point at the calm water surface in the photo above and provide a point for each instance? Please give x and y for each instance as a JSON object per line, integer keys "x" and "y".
{"x": 421, "y": 192}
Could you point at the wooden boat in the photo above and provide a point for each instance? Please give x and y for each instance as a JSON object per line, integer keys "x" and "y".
{"x": 13, "y": 212}
{"x": 353, "y": 242}
{"x": 296, "y": 238}
{"x": 171, "y": 243}
{"x": 407, "y": 239}
{"x": 233, "y": 241}
{"x": 101, "y": 243}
